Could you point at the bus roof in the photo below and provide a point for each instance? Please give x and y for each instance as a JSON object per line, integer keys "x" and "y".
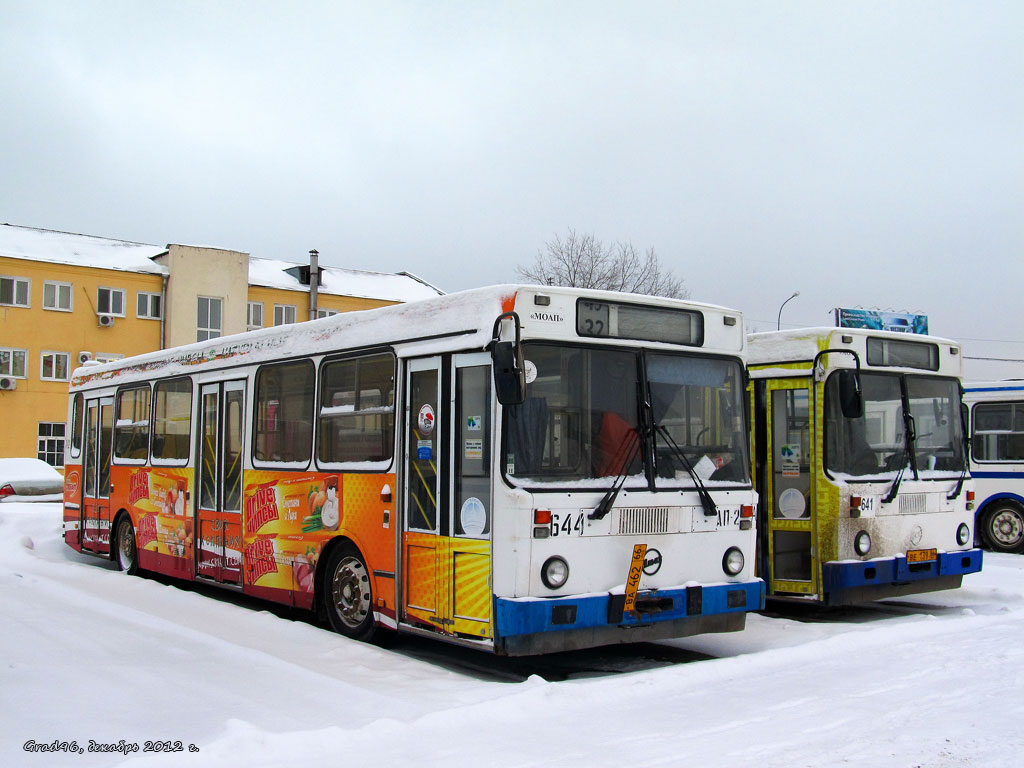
{"x": 463, "y": 320}
{"x": 798, "y": 349}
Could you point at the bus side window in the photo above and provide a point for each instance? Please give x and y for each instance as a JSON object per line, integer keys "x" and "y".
{"x": 284, "y": 412}
{"x": 76, "y": 425}
{"x": 357, "y": 410}
{"x": 172, "y": 420}
{"x": 131, "y": 428}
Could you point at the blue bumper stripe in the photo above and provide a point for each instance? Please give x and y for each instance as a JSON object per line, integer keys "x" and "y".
{"x": 529, "y": 616}
{"x": 896, "y": 570}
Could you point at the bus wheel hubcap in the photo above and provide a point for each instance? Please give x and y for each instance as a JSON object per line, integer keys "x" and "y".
{"x": 1007, "y": 526}
{"x": 351, "y": 591}
{"x": 127, "y": 547}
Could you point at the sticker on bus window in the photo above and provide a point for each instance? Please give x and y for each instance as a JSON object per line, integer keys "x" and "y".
{"x": 473, "y": 517}
{"x": 530, "y": 369}
{"x": 474, "y": 423}
{"x": 790, "y": 459}
{"x": 425, "y": 450}
{"x": 473, "y": 449}
{"x": 426, "y": 419}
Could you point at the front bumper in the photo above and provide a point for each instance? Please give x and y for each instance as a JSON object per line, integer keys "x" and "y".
{"x": 892, "y": 576}
{"x": 564, "y": 623}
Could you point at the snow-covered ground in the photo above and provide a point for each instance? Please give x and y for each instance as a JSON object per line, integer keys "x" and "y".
{"x": 92, "y": 655}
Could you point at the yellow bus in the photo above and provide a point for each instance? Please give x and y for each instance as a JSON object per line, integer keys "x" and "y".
{"x": 860, "y": 463}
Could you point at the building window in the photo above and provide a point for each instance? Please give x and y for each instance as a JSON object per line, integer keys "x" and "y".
{"x": 208, "y": 319}
{"x": 54, "y": 366}
{"x": 13, "y": 362}
{"x": 148, "y": 305}
{"x": 110, "y": 301}
{"x": 57, "y": 296}
{"x": 284, "y": 314}
{"x": 14, "y": 291}
{"x": 255, "y": 315}
{"x": 51, "y": 443}
{"x": 326, "y": 313}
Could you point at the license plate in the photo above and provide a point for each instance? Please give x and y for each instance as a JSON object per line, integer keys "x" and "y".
{"x": 921, "y": 555}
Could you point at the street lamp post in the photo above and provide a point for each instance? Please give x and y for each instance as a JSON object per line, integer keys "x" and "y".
{"x": 795, "y": 294}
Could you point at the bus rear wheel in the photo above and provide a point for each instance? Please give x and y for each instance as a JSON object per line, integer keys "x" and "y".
{"x": 1002, "y": 527}
{"x": 347, "y": 594}
{"x": 126, "y": 554}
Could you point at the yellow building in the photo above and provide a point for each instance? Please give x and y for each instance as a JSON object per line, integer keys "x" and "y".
{"x": 66, "y": 299}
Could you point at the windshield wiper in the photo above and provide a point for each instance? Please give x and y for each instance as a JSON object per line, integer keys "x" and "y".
{"x": 909, "y": 436}
{"x": 705, "y": 498}
{"x": 605, "y": 505}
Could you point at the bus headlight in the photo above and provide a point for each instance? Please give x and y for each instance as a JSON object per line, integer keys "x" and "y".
{"x": 733, "y": 561}
{"x": 963, "y": 534}
{"x": 555, "y": 572}
{"x": 862, "y": 543}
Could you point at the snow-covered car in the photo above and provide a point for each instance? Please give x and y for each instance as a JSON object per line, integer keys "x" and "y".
{"x": 29, "y": 480}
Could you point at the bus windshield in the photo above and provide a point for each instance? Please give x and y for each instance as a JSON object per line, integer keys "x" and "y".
{"x": 580, "y": 422}
{"x": 882, "y": 440}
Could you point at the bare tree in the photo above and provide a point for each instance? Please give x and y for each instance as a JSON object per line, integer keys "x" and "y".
{"x": 583, "y": 261}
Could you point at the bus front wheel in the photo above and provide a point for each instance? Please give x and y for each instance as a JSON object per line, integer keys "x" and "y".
{"x": 1002, "y": 527}
{"x": 126, "y": 554}
{"x": 347, "y": 594}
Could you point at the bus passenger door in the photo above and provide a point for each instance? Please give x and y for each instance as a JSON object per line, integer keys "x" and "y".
{"x": 219, "y": 494}
{"x": 97, "y": 446}
{"x": 468, "y": 574}
{"x": 423, "y": 537}
{"x": 446, "y": 542}
{"x": 790, "y": 493}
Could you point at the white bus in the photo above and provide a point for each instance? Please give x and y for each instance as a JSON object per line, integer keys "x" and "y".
{"x": 860, "y": 464}
{"x": 996, "y": 429}
{"x": 516, "y": 469}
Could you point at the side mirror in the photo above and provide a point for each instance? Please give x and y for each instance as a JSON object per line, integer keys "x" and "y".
{"x": 851, "y": 400}
{"x": 507, "y": 364}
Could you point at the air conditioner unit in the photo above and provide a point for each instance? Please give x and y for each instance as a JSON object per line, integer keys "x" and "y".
{"x": 84, "y": 357}
{"x": 105, "y": 321}
{"x": 8, "y": 383}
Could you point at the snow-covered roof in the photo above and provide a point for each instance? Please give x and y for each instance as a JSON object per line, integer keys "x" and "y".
{"x": 48, "y": 245}
{"x": 33, "y": 244}
{"x": 804, "y": 343}
{"x": 464, "y": 320}
{"x": 401, "y": 286}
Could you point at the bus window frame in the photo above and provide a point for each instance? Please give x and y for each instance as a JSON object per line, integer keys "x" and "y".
{"x": 974, "y": 430}
{"x": 362, "y": 467}
{"x": 161, "y": 461}
{"x": 281, "y": 464}
{"x": 77, "y": 425}
{"x": 650, "y": 482}
{"x": 883, "y": 475}
{"x": 115, "y": 458}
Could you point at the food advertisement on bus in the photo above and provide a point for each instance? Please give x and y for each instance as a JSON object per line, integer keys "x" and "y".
{"x": 157, "y": 497}
{"x": 287, "y": 519}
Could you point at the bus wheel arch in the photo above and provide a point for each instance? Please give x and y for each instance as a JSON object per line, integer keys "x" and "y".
{"x": 1001, "y": 524}
{"x": 124, "y": 550}
{"x": 345, "y": 590}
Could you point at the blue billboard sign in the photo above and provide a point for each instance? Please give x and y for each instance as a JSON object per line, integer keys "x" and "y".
{"x": 877, "y": 320}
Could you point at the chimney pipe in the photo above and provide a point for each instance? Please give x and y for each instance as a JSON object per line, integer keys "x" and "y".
{"x": 314, "y": 281}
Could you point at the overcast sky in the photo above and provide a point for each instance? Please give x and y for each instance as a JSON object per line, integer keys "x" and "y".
{"x": 866, "y": 154}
